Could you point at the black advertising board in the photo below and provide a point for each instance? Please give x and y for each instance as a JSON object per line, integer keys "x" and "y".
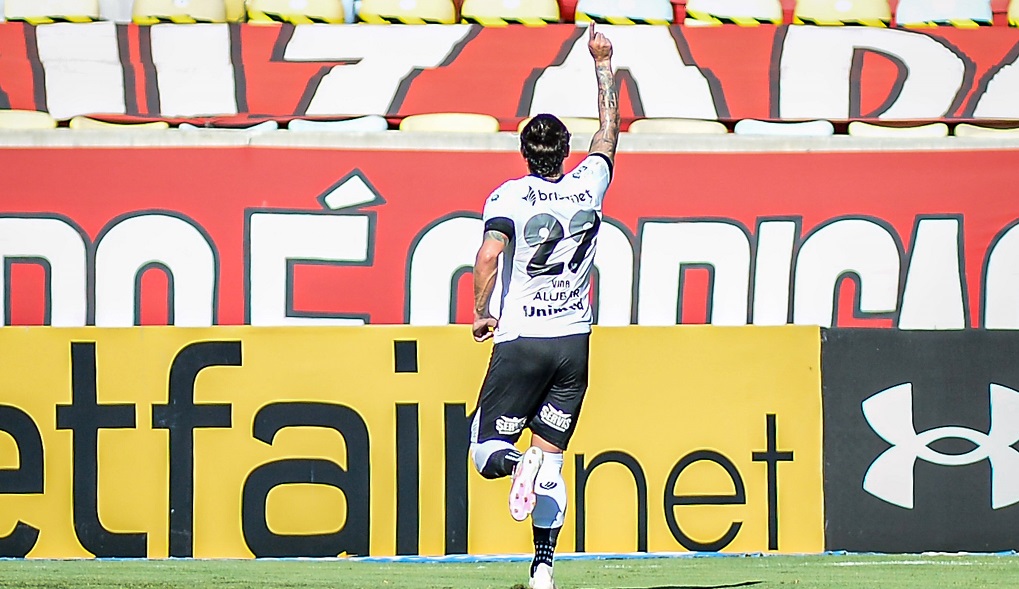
{"x": 921, "y": 431}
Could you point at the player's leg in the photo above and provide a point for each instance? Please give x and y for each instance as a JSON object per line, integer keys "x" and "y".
{"x": 549, "y": 511}
{"x": 514, "y": 382}
{"x": 552, "y": 428}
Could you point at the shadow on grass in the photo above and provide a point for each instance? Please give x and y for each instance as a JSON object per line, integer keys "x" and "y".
{"x": 726, "y": 586}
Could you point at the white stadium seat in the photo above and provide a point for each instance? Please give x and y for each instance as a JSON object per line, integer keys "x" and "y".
{"x": 40, "y": 12}
{"x": 740, "y": 12}
{"x": 958, "y": 13}
{"x": 624, "y": 12}
{"x": 785, "y": 129}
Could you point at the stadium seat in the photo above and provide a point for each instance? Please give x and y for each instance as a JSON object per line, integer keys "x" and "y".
{"x": 785, "y": 129}
{"x": 41, "y": 12}
{"x": 490, "y": 13}
{"x": 863, "y": 129}
{"x": 968, "y": 14}
{"x": 365, "y": 124}
{"x": 153, "y": 12}
{"x": 1013, "y": 13}
{"x": 450, "y": 122}
{"x": 26, "y": 119}
{"x": 236, "y": 11}
{"x": 409, "y": 12}
{"x": 740, "y": 12}
{"x": 575, "y": 125}
{"x": 118, "y": 11}
{"x": 263, "y": 127}
{"x": 681, "y": 126}
{"x": 968, "y": 130}
{"x": 873, "y": 13}
{"x": 624, "y": 12}
{"x": 85, "y": 123}
{"x": 299, "y": 13}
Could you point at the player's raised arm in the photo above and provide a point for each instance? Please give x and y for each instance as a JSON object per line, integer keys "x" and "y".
{"x": 604, "y": 140}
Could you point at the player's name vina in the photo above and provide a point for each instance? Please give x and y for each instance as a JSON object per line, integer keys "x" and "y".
{"x": 536, "y": 196}
{"x": 549, "y": 311}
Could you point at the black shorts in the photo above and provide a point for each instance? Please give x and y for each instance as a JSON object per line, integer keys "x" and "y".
{"x": 537, "y": 383}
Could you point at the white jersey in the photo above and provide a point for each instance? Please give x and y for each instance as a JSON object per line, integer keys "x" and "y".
{"x": 546, "y": 266}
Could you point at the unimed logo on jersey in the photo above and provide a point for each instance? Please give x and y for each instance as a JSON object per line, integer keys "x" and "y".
{"x": 921, "y": 435}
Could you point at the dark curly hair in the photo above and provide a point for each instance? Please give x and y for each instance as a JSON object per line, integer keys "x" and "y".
{"x": 545, "y": 143}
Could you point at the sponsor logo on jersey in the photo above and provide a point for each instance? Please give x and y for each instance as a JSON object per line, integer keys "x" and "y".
{"x": 536, "y": 196}
{"x": 555, "y": 418}
{"x": 548, "y": 485}
{"x": 508, "y": 426}
{"x": 530, "y": 311}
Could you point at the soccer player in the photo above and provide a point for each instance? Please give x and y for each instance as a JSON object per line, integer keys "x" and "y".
{"x": 545, "y": 225}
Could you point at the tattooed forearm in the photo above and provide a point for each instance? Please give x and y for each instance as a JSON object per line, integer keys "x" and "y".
{"x": 485, "y": 266}
{"x": 604, "y": 140}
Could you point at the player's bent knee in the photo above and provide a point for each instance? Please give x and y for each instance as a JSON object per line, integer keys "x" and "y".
{"x": 490, "y": 458}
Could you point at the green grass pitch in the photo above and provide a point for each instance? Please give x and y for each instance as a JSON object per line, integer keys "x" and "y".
{"x": 789, "y": 572}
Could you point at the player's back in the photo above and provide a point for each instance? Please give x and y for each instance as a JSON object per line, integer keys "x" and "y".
{"x": 553, "y": 227}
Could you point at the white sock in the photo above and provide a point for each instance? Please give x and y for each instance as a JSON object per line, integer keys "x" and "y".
{"x": 550, "y": 492}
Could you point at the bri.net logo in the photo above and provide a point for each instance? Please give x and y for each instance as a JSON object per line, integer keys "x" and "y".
{"x": 890, "y": 414}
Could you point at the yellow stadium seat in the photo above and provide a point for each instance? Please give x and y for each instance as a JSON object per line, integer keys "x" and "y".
{"x": 967, "y": 14}
{"x": 82, "y": 122}
{"x": 677, "y": 126}
{"x": 872, "y": 13}
{"x": 1013, "y": 13}
{"x": 153, "y": 12}
{"x": 236, "y": 11}
{"x": 968, "y": 130}
{"x": 740, "y": 12}
{"x": 490, "y": 13}
{"x": 574, "y": 125}
{"x": 26, "y": 119}
{"x": 862, "y": 129}
{"x": 624, "y": 12}
{"x": 450, "y": 122}
{"x": 298, "y": 12}
{"x": 41, "y": 12}
{"x": 410, "y": 12}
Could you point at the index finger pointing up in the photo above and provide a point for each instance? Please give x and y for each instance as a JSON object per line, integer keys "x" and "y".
{"x": 590, "y": 31}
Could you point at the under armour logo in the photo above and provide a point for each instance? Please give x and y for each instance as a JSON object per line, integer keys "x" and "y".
{"x": 548, "y": 485}
{"x": 890, "y": 415}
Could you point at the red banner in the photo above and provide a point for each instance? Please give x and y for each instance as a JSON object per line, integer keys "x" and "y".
{"x": 266, "y": 236}
{"x": 726, "y": 73}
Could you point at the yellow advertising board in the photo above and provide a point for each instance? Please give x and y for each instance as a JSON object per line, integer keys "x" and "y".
{"x": 234, "y": 442}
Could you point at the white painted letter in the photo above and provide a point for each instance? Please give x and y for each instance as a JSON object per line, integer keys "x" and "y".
{"x": 278, "y": 238}
{"x": 817, "y": 63}
{"x": 848, "y": 246}
{"x": 667, "y": 246}
{"x": 668, "y": 86}
{"x": 63, "y": 248}
{"x": 194, "y": 69}
{"x": 932, "y": 296}
{"x": 135, "y": 242}
{"x": 385, "y": 57}
{"x": 83, "y": 70}
{"x": 1001, "y": 283}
